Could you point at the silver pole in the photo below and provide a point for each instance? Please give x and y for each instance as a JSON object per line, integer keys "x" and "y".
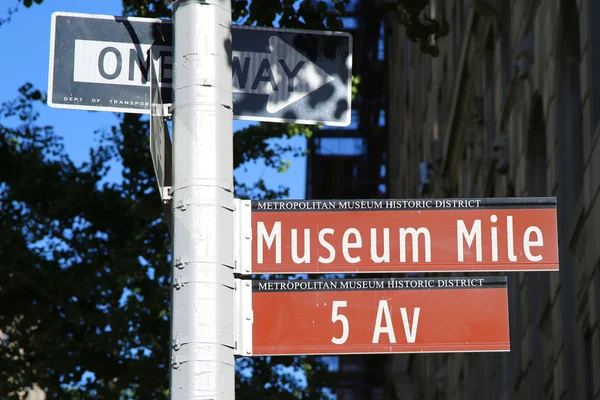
{"x": 202, "y": 302}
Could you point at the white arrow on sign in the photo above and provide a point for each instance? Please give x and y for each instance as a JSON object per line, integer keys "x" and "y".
{"x": 284, "y": 74}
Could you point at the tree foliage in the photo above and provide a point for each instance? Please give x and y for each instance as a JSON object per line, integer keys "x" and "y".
{"x": 85, "y": 261}
{"x": 318, "y": 15}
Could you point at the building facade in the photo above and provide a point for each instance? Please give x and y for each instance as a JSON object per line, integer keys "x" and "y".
{"x": 346, "y": 162}
{"x": 510, "y": 107}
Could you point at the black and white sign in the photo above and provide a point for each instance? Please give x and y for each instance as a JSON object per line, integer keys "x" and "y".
{"x": 160, "y": 141}
{"x": 101, "y": 63}
{"x": 291, "y": 76}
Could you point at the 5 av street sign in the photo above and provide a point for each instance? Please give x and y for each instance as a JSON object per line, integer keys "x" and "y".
{"x": 101, "y": 63}
{"x": 380, "y": 315}
{"x": 420, "y": 235}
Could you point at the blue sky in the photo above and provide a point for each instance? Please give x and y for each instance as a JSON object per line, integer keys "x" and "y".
{"x": 25, "y": 46}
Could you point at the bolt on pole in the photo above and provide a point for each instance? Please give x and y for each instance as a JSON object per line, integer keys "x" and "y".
{"x": 202, "y": 357}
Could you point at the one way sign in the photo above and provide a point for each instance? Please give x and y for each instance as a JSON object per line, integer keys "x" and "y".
{"x": 101, "y": 63}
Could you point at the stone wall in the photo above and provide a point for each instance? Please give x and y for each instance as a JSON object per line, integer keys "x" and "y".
{"x": 510, "y": 107}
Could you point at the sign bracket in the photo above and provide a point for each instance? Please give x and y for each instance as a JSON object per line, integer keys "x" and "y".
{"x": 165, "y": 194}
{"x": 242, "y": 237}
{"x": 243, "y": 318}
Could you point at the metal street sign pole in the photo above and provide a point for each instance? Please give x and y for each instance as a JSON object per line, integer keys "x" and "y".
{"x": 203, "y": 287}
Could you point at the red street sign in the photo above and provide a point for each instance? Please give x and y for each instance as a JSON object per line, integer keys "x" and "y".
{"x": 385, "y": 315}
{"x": 421, "y": 235}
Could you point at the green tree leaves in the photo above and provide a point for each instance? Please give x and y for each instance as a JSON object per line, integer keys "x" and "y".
{"x": 28, "y": 3}
{"x": 85, "y": 262}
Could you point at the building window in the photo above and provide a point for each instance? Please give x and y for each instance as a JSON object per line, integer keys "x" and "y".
{"x": 594, "y": 67}
{"x": 515, "y": 305}
{"x": 589, "y": 365}
{"x": 537, "y": 184}
{"x": 455, "y": 32}
{"x": 490, "y": 97}
{"x": 569, "y": 122}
